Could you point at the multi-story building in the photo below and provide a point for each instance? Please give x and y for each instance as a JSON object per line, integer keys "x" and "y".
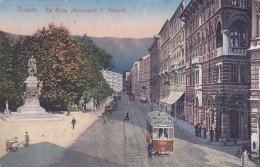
{"x": 154, "y": 51}
{"x": 217, "y": 65}
{"x": 164, "y": 63}
{"x": 255, "y": 76}
{"x": 127, "y": 81}
{"x": 135, "y": 78}
{"x": 177, "y": 79}
{"x": 115, "y": 80}
{"x": 144, "y": 76}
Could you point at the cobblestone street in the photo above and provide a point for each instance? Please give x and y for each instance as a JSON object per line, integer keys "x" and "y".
{"x": 121, "y": 143}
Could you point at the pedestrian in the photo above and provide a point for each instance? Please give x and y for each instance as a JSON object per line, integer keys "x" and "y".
{"x": 224, "y": 139}
{"x": 149, "y": 147}
{"x": 211, "y": 135}
{"x": 27, "y": 139}
{"x": 104, "y": 118}
{"x": 205, "y": 132}
{"x": 244, "y": 159}
{"x": 200, "y": 129}
{"x": 196, "y": 130}
{"x": 127, "y": 116}
{"x": 73, "y": 122}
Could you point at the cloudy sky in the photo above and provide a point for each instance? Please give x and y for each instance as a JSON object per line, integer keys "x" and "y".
{"x": 134, "y": 18}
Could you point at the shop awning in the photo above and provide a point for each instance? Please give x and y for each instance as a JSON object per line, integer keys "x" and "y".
{"x": 173, "y": 97}
{"x": 164, "y": 100}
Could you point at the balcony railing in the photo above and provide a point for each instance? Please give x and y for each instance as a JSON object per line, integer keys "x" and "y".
{"x": 231, "y": 51}
{"x": 197, "y": 60}
{"x": 236, "y": 51}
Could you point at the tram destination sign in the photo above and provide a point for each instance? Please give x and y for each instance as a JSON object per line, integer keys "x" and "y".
{"x": 161, "y": 120}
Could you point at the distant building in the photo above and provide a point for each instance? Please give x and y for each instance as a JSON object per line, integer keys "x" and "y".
{"x": 135, "y": 78}
{"x": 154, "y": 51}
{"x": 127, "y": 82}
{"x": 255, "y": 76}
{"x": 144, "y": 76}
{"x": 115, "y": 80}
{"x": 164, "y": 63}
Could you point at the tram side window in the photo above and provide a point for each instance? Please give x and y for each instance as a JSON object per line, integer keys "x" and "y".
{"x": 170, "y": 133}
{"x": 155, "y": 133}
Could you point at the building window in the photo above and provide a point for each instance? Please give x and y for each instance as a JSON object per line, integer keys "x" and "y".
{"x": 196, "y": 77}
{"x": 239, "y": 73}
{"x": 243, "y": 72}
{"x": 258, "y": 27}
{"x": 219, "y": 36}
{"x": 233, "y": 38}
{"x": 234, "y": 73}
{"x": 239, "y": 3}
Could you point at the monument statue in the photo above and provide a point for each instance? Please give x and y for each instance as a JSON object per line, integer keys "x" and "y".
{"x": 32, "y": 66}
{"x": 32, "y": 103}
{"x": 6, "y": 107}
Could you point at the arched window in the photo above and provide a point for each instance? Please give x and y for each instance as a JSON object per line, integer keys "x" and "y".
{"x": 234, "y": 38}
{"x": 219, "y": 36}
{"x": 237, "y": 34}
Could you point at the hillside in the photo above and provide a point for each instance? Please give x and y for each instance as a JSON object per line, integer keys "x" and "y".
{"x": 125, "y": 51}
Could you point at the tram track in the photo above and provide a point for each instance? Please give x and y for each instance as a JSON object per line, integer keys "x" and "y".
{"x": 145, "y": 118}
{"x": 143, "y": 128}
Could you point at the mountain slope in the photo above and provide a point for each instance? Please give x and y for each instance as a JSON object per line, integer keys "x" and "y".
{"x": 125, "y": 51}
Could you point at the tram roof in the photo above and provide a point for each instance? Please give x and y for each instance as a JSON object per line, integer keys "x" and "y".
{"x": 158, "y": 118}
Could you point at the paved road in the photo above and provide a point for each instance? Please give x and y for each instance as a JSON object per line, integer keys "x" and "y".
{"x": 119, "y": 144}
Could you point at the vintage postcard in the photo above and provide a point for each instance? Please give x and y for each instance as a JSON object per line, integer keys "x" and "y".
{"x": 129, "y": 83}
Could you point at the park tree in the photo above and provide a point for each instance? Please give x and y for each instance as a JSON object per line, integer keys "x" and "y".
{"x": 60, "y": 65}
{"x": 7, "y": 86}
{"x": 97, "y": 88}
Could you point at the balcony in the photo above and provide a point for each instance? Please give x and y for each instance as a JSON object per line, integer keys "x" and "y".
{"x": 237, "y": 51}
{"x": 231, "y": 51}
{"x": 197, "y": 60}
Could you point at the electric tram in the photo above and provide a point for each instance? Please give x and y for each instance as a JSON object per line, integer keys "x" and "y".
{"x": 160, "y": 131}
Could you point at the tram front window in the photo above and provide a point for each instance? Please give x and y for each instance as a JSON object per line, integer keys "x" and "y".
{"x": 162, "y": 133}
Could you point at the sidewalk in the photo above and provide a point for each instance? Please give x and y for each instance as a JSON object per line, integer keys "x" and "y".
{"x": 191, "y": 129}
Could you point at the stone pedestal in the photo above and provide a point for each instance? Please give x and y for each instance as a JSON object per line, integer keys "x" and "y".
{"x": 31, "y": 104}
{"x": 31, "y": 110}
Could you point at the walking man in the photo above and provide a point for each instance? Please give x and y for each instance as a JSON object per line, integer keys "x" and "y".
{"x": 73, "y": 122}
{"x": 149, "y": 147}
{"x": 244, "y": 159}
{"x": 27, "y": 139}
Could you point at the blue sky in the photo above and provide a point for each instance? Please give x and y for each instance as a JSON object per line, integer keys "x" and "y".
{"x": 142, "y": 18}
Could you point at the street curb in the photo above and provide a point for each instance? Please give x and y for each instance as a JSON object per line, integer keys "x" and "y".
{"x": 208, "y": 143}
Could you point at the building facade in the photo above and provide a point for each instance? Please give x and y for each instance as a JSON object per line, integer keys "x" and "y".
{"x": 164, "y": 63}
{"x": 127, "y": 81}
{"x": 135, "y": 78}
{"x": 177, "y": 63}
{"x": 144, "y": 77}
{"x": 217, "y": 65}
{"x": 115, "y": 80}
{"x": 255, "y": 80}
{"x": 154, "y": 51}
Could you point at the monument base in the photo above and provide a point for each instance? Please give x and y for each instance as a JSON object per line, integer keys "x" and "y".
{"x": 31, "y": 109}
{"x": 34, "y": 116}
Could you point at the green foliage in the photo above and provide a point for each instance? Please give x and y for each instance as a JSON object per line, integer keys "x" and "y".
{"x": 67, "y": 66}
{"x": 97, "y": 87}
{"x": 99, "y": 91}
{"x": 7, "y": 86}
